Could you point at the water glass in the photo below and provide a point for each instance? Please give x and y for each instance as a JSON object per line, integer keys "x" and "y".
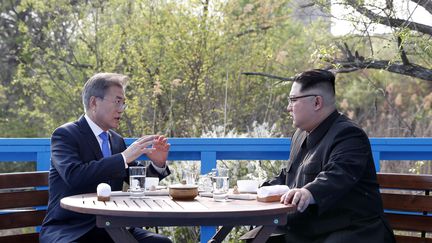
{"x": 137, "y": 176}
{"x": 189, "y": 177}
{"x": 220, "y": 185}
{"x": 205, "y": 183}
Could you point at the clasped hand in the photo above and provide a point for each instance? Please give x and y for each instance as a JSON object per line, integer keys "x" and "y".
{"x": 301, "y": 197}
{"x": 158, "y": 152}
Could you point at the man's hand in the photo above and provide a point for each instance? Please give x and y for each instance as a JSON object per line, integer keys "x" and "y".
{"x": 160, "y": 148}
{"x": 139, "y": 147}
{"x": 301, "y": 197}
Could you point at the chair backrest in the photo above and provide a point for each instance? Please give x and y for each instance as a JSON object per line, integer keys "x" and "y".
{"x": 408, "y": 205}
{"x": 22, "y": 204}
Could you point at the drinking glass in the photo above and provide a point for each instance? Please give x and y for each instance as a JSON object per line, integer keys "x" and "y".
{"x": 189, "y": 177}
{"x": 220, "y": 185}
{"x": 137, "y": 176}
{"x": 205, "y": 183}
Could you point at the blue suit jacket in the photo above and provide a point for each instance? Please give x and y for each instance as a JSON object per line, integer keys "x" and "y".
{"x": 77, "y": 166}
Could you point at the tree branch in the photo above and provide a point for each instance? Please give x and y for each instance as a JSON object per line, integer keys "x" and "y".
{"x": 265, "y": 27}
{"x": 402, "y": 51}
{"x": 412, "y": 70}
{"x": 426, "y": 4}
{"x": 392, "y": 22}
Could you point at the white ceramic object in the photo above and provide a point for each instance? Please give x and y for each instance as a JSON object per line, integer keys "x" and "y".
{"x": 103, "y": 192}
{"x": 250, "y": 186}
{"x": 151, "y": 183}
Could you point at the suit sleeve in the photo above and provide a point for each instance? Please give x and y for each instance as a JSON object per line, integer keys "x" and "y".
{"x": 151, "y": 171}
{"x": 347, "y": 162}
{"x": 76, "y": 173}
{"x": 278, "y": 180}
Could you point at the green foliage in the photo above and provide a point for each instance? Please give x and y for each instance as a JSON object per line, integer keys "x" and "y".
{"x": 181, "y": 59}
{"x": 185, "y": 60}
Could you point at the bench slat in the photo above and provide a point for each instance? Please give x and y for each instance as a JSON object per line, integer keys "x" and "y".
{"x": 25, "y": 238}
{"x": 409, "y": 222}
{"x": 405, "y": 202}
{"x": 10, "y": 200}
{"x": 405, "y": 181}
{"x": 21, "y": 219}
{"x": 23, "y": 179}
{"x": 412, "y": 239}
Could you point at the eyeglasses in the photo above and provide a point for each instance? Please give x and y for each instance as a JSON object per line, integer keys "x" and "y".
{"x": 119, "y": 104}
{"x": 293, "y": 99}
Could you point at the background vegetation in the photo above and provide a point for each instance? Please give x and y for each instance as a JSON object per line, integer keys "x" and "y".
{"x": 187, "y": 62}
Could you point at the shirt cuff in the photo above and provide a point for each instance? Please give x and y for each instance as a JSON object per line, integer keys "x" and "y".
{"x": 124, "y": 160}
{"x": 159, "y": 169}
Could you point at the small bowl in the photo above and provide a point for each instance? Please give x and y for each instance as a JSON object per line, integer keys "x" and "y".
{"x": 248, "y": 186}
{"x": 183, "y": 192}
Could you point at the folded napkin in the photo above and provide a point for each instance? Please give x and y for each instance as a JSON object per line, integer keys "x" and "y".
{"x": 267, "y": 191}
{"x": 241, "y": 196}
{"x": 163, "y": 192}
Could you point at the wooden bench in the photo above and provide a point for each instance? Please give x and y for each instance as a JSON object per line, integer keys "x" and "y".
{"x": 408, "y": 205}
{"x": 18, "y": 197}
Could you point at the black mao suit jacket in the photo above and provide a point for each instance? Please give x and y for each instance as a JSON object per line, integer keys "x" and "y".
{"x": 78, "y": 166}
{"x": 336, "y": 166}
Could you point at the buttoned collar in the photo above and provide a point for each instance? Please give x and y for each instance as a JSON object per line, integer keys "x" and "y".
{"x": 94, "y": 127}
{"x": 316, "y": 135}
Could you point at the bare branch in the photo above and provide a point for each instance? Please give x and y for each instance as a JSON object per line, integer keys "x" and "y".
{"x": 426, "y": 4}
{"x": 402, "y": 51}
{"x": 392, "y": 22}
{"x": 412, "y": 70}
{"x": 307, "y": 5}
{"x": 265, "y": 27}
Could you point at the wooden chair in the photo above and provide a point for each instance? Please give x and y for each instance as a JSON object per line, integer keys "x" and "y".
{"x": 18, "y": 197}
{"x": 408, "y": 205}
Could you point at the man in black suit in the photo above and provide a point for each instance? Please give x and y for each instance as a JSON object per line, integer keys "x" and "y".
{"x": 330, "y": 173}
{"x": 87, "y": 152}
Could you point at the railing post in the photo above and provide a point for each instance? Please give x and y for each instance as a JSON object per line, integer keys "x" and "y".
{"x": 208, "y": 161}
{"x": 376, "y": 157}
{"x": 43, "y": 161}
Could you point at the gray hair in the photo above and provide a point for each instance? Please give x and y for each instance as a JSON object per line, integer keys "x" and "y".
{"x": 99, "y": 84}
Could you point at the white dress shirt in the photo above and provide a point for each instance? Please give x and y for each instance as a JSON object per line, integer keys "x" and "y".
{"x": 97, "y": 130}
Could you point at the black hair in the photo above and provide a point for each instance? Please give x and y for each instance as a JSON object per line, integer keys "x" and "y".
{"x": 316, "y": 78}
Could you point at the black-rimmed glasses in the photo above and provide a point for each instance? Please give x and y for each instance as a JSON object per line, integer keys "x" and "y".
{"x": 293, "y": 99}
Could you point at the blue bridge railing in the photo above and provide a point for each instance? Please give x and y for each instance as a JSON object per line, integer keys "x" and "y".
{"x": 209, "y": 150}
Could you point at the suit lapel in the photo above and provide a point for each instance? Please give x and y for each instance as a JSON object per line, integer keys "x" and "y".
{"x": 91, "y": 139}
{"x": 296, "y": 144}
{"x": 115, "y": 143}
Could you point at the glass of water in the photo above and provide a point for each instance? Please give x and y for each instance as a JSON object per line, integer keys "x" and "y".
{"x": 188, "y": 176}
{"x": 220, "y": 185}
{"x": 137, "y": 176}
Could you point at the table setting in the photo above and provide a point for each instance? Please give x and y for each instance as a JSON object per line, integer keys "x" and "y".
{"x": 214, "y": 185}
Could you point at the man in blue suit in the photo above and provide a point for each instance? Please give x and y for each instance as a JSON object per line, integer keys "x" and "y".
{"x": 87, "y": 152}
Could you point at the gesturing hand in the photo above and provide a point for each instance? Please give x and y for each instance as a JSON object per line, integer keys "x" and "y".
{"x": 160, "y": 153}
{"x": 139, "y": 147}
{"x": 301, "y": 197}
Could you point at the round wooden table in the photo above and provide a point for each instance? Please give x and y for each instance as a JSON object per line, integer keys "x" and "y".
{"x": 122, "y": 211}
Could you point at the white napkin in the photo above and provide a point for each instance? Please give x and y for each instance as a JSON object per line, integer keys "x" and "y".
{"x": 232, "y": 196}
{"x": 266, "y": 191}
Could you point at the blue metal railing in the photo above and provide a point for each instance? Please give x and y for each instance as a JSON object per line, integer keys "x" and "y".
{"x": 209, "y": 150}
